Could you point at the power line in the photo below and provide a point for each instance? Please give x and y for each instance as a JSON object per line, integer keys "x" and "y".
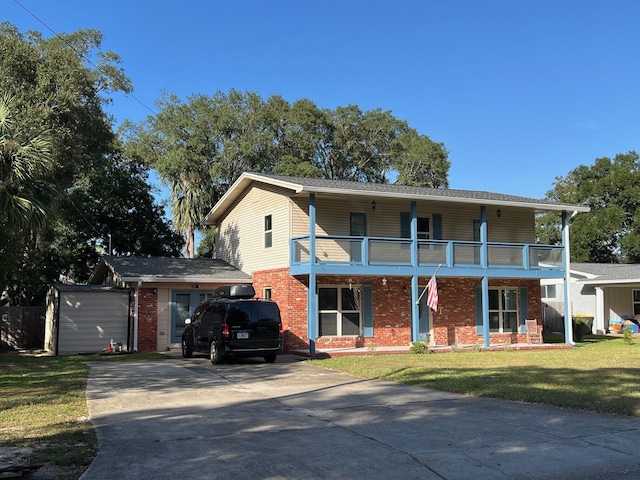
{"x": 86, "y": 59}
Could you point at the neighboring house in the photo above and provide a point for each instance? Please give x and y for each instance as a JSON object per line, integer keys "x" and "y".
{"x": 348, "y": 262}
{"x": 608, "y": 293}
{"x": 163, "y": 292}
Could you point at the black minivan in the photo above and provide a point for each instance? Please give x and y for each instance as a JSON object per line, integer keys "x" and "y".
{"x": 233, "y": 323}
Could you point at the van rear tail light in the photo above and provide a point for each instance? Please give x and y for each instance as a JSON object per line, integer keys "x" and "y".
{"x": 280, "y": 329}
{"x": 225, "y": 331}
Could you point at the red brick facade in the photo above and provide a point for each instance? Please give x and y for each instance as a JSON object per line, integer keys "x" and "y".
{"x": 147, "y": 319}
{"x": 453, "y": 324}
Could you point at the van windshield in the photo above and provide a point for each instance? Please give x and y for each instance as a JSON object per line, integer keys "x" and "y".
{"x": 242, "y": 312}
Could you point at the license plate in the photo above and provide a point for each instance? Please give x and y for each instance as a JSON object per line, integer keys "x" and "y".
{"x": 242, "y": 335}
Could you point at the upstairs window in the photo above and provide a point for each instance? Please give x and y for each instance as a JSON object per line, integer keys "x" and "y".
{"x": 268, "y": 232}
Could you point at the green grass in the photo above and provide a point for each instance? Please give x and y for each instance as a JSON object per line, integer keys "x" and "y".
{"x": 43, "y": 399}
{"x": 601, "y": 374}
{"x": 43, "y": 405}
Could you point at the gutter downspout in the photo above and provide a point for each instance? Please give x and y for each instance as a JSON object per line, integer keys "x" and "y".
{"x": 135, "y": 315}
{"x": 566, "y": 263}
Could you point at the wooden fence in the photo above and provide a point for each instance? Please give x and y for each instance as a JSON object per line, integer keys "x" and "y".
{"x": 22, "y": 327}
{"x": 553, "y": 317}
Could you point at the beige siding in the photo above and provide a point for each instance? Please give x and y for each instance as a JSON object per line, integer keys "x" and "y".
{"x": 89, "y": 320}
{"x": 240, "y": 238}
{"x": 332, "y": 215}
{"x": 618, "y": 303}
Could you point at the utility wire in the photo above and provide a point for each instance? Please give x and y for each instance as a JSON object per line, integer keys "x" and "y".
{"x": 86, "y": 59}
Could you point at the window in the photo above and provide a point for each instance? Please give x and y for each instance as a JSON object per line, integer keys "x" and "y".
{"x": 339, "y": 311}
{"x": 503, "y": 310}
{"x": 268, "y": 232}
{"x": 548, "y": 291}
{"x": 405, "y": 226}
{"x": 266, "y": 293}
{"x": 423, "y": 228}
{"x": 636, "y": 302}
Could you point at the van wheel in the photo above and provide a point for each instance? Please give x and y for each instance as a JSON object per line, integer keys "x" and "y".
{"x": 187, "y": 351}
{"x": 270, "y": 357}
{"x": 214, "y": 353}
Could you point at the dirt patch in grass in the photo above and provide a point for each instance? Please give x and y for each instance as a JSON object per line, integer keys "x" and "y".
{"x": 20, "y": 458}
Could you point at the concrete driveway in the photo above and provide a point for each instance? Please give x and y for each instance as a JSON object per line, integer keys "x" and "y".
{"x": 289, "y": 420}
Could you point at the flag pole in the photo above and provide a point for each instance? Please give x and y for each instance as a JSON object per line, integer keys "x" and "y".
{"x": 426, "y": 287}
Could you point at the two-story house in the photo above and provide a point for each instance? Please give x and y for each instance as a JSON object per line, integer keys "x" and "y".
{"x": 349, "y": 262}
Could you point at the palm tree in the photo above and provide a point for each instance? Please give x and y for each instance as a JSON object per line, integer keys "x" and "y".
{"x": 188, "y": 209}
{"x": 25, "y": 163}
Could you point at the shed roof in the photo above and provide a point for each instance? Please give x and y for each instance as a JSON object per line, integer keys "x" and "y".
{"x": 303, "y": 185}
{"x": 168, "y": 269}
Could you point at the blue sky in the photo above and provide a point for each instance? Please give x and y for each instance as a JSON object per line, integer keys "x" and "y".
{"x": 519, "y": 91}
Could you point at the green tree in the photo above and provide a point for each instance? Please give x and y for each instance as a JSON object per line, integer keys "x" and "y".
{"x": 201, "y": 146}
{"x": 610, "y": 232}
{"x": 61, "y": 85}
{"x": 25, "y": 166}
{"x": 422, "y": 162}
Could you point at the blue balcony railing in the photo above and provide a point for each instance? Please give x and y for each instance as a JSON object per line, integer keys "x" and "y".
{"x": 363, "y": 251}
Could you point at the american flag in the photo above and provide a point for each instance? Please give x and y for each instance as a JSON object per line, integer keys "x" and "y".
{"x": 432, "y": 294}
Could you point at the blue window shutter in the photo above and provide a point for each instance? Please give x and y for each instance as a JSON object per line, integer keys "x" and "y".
{"x": 478, "y": 309}
{"x": 437, "y": 226}
{"x": 524, "y": 307}
{"x": 367, "y": 310}
{"x": 405, "y": 225}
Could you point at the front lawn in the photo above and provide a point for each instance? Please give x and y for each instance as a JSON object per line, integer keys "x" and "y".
{"x": 43, "y": 406}
{"x": 601, "y": 374}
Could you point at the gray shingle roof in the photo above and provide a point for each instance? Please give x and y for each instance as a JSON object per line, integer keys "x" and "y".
{"x": 171, "y": 269}
{"x": 403, "y": 190}
{"x": 608, "y": 272}
{"x": 304, "y": 185}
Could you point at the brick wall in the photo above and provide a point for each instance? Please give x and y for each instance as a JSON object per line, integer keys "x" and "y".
{"x": 454, "y": 323}
{"x": 291, "y": 296}
{"x": 147, "y": 320}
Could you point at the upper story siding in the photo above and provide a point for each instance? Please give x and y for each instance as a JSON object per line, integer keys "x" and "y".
{"x": 240, "y": 238}
{"x": 332, "y": 218}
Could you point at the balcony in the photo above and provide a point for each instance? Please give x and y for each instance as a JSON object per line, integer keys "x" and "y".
{"x": 389, "y": 256}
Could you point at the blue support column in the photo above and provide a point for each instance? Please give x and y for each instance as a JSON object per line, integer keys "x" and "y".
{"x": 484, "y": 261}
{"x": 484, "y": 251}
{"x": 312, "y": 303}
{"x": 415, "y": 309}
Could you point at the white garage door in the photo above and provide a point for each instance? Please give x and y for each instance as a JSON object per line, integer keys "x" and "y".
{"x": 89, "y": 320}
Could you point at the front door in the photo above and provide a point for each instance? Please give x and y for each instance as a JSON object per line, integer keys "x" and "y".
{"x": 357, "y": 228}
{"x": 425, "y": 325}
{"x": 183, "y": 304}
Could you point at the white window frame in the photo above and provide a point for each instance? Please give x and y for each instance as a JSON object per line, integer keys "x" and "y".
{"x": 266, "y": 293}
{"x": 635, "y": 304}
{"x": 340, "y": 311}
{"x": 500, "y": 311}
{"x": 268, "y": 231}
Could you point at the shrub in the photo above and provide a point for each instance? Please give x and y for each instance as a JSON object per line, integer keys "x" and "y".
{"x": 419, "y": 347}
{"x": 628, "y": 335}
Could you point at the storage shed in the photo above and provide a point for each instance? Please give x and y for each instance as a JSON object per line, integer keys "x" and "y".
{"x": 85, "y": 318}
